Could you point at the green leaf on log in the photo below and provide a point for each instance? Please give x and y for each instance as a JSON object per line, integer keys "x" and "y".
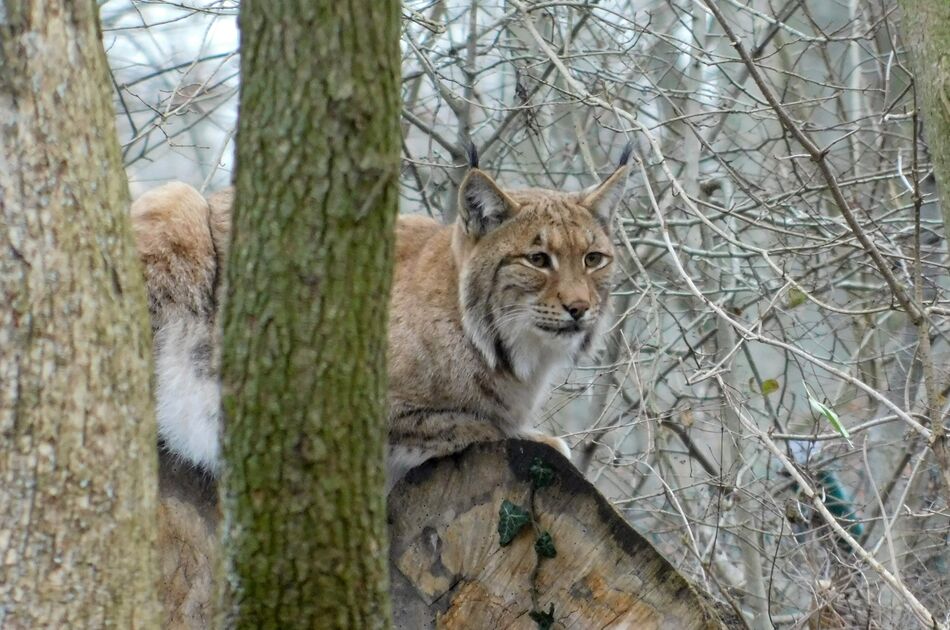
{"x": 511, "y": 520}
{"x": 544, "y": 545}
{"x": 544, "y": 619}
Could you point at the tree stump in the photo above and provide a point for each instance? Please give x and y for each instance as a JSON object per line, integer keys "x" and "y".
{"x": 448, "y": 569}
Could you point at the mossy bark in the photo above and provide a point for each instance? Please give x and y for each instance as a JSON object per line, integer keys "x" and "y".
{"x": 77, "y": 436}
{"x": 304, "y": 354}
{"x": 925, "y": 26}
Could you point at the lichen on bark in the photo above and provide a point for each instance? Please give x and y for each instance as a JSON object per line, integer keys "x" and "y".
{"x": 78, "y": 461}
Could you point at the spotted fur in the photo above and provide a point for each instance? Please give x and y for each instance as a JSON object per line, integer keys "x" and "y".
{"x": 480, "y": 317}
{"x": 482, "y": 312}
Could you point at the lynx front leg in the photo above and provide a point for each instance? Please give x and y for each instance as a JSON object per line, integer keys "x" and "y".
{"x": 418, "y": 435}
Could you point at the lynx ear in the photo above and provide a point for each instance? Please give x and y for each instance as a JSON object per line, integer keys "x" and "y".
{"x": 483, "y": 206}
{"x": 602, "y": 200}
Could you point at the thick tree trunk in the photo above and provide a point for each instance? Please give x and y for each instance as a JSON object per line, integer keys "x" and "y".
{"x": 78, "y": 464}
{"x": 305, "y": 317}
{"x": 926, "y": 33}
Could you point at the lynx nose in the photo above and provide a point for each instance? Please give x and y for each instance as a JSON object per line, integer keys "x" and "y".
{"x": 577, "y": 309}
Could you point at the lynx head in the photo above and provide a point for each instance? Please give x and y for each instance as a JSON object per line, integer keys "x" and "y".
{"x": 535, "y": 268}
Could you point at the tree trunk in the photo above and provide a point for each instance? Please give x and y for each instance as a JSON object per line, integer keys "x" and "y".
{"x": 78, "y": 467}
{"x": 304, "y": 345}
{"x": 926, "y": 33}
{"x": 450, "y": 571}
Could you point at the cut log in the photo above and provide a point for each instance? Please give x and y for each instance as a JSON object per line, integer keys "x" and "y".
{"x": 448, "y": 569}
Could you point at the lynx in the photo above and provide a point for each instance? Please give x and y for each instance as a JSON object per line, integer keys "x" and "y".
{"x": 482, "y": 312}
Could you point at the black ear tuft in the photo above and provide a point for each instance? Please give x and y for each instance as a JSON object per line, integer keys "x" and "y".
{"x": 472, "y": 155}
{"x": 625, "y": 156}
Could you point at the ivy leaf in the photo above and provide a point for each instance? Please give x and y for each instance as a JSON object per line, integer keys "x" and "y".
{"x": 830, "y": 415}
{"x": 544, "y": 619}
{"x": 542, "y": 475}
{"x": 544, "y": 545}
{"x": 769, "y": 386}
{"x": 511, "y": 519}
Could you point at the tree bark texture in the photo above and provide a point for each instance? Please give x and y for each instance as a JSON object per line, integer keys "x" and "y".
{"x": 77, "y": 439}
{"x": 926, "y": 34}
{"x": 304, "y": 354}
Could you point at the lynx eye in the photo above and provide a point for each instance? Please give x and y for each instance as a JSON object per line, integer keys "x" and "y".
{"x": 539, "y": 260}
{"x": 594, "y": 260}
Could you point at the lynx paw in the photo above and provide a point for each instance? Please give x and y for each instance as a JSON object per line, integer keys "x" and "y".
{"x": 554, "y": 442}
